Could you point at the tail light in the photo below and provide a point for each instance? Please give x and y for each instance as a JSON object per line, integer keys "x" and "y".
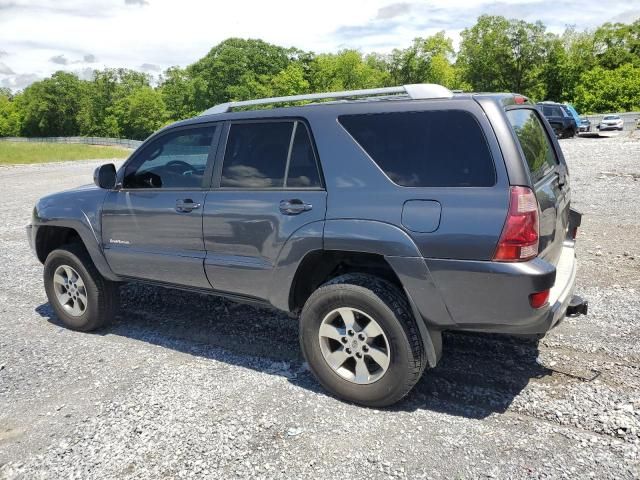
{"x": 520, "y": 235}
{"x": 539, "y": 299}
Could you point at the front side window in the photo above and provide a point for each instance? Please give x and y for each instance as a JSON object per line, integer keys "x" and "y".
{"x": 269, "y": 155}
{"x": 439, "y": 148}
{"x": 534, "y": 141}
{"x": 175, "y": 160}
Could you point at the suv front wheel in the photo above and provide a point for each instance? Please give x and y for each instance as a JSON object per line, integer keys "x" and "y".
{"x": 361, "y": 341}
{"x": 80, "y": 297}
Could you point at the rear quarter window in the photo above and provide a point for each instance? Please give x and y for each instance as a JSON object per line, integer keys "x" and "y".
{"x": 442, "y": 148}
{"x": 535, "y": 143}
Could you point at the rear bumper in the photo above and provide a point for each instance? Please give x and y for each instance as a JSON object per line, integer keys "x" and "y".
{"x": 487, "y": 296}
{"x": 562, "y": 292}
{"x": 604, "y": 128}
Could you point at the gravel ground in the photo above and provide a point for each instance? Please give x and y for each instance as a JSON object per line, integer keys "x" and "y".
{"x": 184, "y": 385}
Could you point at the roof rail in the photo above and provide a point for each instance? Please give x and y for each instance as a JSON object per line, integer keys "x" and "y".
{"x": 417, "y": 91}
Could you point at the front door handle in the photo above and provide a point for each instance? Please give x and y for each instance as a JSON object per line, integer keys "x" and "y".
{"x": 294, "y": 206}
{"x": 186, "y": 205}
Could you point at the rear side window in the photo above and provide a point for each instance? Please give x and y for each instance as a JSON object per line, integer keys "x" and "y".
{"x": 443, "y": 148}
{"x": 303, "y": 167}
{"x": 552, "y": 111}
{"x": 269, "y": 155}
{"x": 534, "y": 141}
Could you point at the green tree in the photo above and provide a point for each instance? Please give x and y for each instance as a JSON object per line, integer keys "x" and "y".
{"x": 498, "y": 55}
{"x": 617, "y": 44}
{"x": 580, "y": 57}
{"x": 181, "y": 92}
{"x": 50, "y": 107}
{"x": 427, "y": 60}
{"x": 97, "y": 116}
{"x": 290, "y": 81}
{"x": 232, "y": 69}
{"x": 603, "y": 90}
{"x": 9, "y": 115}
{"x": 345, "y": 70}
{"x": 141, "y": 113}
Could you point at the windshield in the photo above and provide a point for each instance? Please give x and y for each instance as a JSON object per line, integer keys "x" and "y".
{"x": 611, "y": 117}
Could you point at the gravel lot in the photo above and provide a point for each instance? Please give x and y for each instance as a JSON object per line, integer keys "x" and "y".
{"x": 184, "y": 385}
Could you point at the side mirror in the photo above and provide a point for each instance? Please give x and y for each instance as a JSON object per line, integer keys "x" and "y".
{"x": 105, "y": 176}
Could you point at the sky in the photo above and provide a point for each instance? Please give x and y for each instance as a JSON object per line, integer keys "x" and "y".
{"x": 40, "y": 37}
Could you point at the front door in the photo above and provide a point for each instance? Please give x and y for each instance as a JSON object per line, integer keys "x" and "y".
{"x": 152, "y": 223}
{"x": 267, "y": 186}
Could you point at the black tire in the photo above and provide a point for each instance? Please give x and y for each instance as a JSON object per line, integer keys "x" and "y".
{"x": 385, "y": 303}
{"x": 102, "y": 295}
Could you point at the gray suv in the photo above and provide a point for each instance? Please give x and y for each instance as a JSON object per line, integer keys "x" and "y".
{"x": 380, "y": 218}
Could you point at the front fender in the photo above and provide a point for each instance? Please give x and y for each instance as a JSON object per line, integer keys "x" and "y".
{"x": 79, "y": 210}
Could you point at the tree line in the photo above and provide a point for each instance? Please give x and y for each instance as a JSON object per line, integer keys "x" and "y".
{"x": 596, "y": 70}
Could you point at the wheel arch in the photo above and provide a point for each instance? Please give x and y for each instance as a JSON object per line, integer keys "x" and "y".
{"x": 320, "y": 266}
{"x": 56, "y": 233}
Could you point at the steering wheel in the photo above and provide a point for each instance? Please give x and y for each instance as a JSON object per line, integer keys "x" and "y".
{"x": 179, "y": 164}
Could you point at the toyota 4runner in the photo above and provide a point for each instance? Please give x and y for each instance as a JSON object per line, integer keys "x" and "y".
{"x": 380, "y": 218}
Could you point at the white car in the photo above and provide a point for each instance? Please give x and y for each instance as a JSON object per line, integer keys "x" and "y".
{"x": 611, "y": 122}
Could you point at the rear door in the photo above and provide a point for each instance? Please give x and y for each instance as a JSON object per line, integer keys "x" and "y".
{"x": 549, "y": 178}
{"x": 555, "y": 117}
{"x": 267, "y": 185}
{"x": 152, "y": 223}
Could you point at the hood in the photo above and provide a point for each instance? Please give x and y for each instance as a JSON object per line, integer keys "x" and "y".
{"x": 83, "y": 197}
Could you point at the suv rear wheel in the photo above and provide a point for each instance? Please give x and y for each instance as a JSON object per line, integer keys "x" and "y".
{"x": 361, "y": 340}
{"x": 81, "y": 298}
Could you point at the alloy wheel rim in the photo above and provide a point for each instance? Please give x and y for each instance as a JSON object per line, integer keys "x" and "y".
{"x": 354, "y": 345}
{"x": 70, "y": 290}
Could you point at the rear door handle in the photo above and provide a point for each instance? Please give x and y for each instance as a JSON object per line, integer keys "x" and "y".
{"x": 186, "y": 205}
{"x": 294, "y": 206}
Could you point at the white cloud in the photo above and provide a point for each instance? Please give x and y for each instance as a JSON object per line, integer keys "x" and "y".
{"x": 162, "y": 33}
{"x": 5, "y": 70}
{"x": 59, "y": 60}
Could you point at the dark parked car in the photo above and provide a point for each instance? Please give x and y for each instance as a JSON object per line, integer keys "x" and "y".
{"x": 380, "y": 222}
{"x": 559, "y": 116}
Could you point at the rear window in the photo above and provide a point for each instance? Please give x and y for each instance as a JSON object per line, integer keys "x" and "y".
{"x": 534, "y": 141}
{"x": 444, "y": 148}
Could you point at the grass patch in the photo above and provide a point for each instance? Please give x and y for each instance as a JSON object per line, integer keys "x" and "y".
{"x": 33, "y": 152}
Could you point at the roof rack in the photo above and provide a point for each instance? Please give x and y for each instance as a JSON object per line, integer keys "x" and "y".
{"x": 417, "y": 91}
